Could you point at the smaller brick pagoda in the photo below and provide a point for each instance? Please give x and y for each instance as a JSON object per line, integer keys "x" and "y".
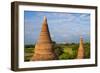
{"x": 80, "y": 54}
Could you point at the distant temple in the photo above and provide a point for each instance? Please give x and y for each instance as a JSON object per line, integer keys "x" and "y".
{"x": 44, "y": 47}
{"x": 80, "y": 54}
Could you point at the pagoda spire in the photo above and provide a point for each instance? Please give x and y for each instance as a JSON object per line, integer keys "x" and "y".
{"x": 44, "y": 48}
{"x": 80, "y": 54}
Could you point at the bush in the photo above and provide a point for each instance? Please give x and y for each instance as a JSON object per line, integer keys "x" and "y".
{"x": 66, "y": 56}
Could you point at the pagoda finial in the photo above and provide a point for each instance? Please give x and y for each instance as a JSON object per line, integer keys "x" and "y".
{"x": 45, "y": 18}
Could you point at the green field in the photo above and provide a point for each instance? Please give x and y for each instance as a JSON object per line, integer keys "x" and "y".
{"x": 63, "y": 51}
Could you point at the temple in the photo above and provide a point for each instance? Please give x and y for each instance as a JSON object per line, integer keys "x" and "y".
{"x": 44, "y": 47}
{"x": 80, "y": 54}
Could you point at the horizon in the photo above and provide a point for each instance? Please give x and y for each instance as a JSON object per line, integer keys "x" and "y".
{"x": 63, "y": 43}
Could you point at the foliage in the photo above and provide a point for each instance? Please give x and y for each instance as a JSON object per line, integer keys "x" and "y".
{"x": 58, "y": 49}
{"x": 29, "y": 46}
{"x": 28, "y": 53}
{"x": 87, "y": 50}
{"x": 63, "y": 51}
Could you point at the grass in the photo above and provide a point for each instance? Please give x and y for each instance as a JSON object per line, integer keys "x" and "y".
{"x": 28, "y": 53}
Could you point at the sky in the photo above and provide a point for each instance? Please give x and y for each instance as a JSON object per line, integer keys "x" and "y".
{"x": 63, "y": 27}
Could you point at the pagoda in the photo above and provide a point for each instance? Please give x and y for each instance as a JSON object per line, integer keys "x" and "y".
{"x": 44, "y": 47}
{"x": 80, "y": 54}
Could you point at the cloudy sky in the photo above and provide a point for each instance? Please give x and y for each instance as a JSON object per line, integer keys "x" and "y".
{"x": 63, "y": 27}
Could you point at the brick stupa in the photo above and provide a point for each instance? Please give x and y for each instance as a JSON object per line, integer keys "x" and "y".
{"x": 44, "y": 47}
{"x": 80, "y": 54}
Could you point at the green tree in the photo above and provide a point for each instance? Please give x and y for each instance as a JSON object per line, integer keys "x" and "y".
{"x": 57, "y": 48}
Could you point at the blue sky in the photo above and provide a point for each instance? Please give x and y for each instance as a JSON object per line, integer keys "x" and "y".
{"x": 63, "y": 27}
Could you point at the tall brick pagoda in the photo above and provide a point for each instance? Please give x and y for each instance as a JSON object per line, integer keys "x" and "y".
{"x": 44, "y": 47}
{"x": 80, "y": 54}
